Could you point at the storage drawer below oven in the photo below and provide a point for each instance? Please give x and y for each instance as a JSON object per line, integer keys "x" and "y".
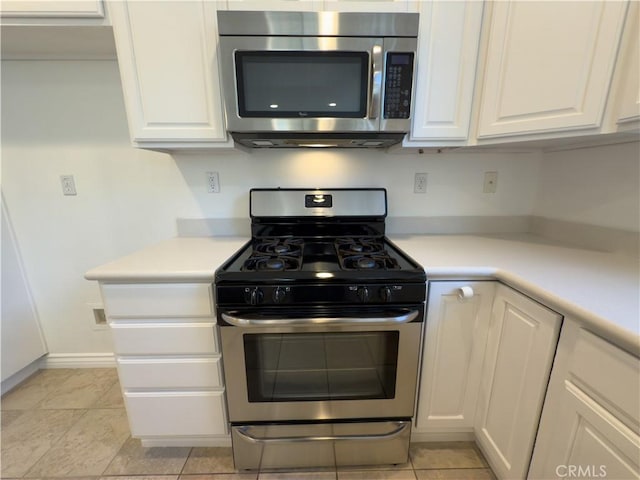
{"x": 320, "y": 444}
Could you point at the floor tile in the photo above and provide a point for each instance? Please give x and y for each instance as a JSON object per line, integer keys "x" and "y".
{"x": 140, "y": 477}
{"x": 221, "y": 476}
{"x": 297, "y": 475}
{"x": 455, "y": 474}
{"x": 28, "y": 437}
{"x": 36, "y": 388}
{"x": 392, "y": 467}
{"x": 112, "y": 398}
{"x": 134, "y": 459}
{"x": 210, "y": 460}
{"x": 87, "y": 448}
{"x": 377, "y": 475}
{"x": 446, "y": 455}
{"x": 8, "y": 416}
{"x": 81, "y": 390}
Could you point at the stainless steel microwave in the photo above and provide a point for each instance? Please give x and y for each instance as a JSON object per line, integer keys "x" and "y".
{"x": 295, "y": 77}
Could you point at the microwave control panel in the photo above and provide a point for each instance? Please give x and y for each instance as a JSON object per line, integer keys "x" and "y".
{"x": 398, "y": 82}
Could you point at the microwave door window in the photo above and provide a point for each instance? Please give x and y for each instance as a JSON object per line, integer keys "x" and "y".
{"x": 302, "y": 84}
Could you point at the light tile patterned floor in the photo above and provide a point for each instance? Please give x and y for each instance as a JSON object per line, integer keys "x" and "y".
{"x": 71, "y": 423}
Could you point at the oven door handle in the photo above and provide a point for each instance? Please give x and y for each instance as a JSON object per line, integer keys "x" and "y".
{"x": 400, "y": 428}
{"x": 263, "y": 322}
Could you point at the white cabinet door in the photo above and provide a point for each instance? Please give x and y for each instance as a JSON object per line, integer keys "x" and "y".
{"x": 548, "y": 66}
{"x": 167, "y": 60}
{"x": 22, "y": 339}
{"x": 521, "y": 344}
{"x": 590, "y": 421}
{"x": 628, "y": 102}
{"x": 371, "y": 5}
{"x": 275, "y": 5}
{"x": 453, "y": 350}
{"x": 52, "y": 8}
{"x": 447, "y": 55}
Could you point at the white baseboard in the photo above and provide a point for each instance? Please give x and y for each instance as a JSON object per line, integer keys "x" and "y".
{"x": 442, "y": 436}
{"x": 79, "y": 360}
{"x": 186, "y": 441}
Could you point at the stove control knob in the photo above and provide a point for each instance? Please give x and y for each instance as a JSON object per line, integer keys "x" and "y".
{"x": 253, "y": 296}
{"x": 385, "y": 294}
{"x": 279, "y": 295}
{"x": 363, "y": 294}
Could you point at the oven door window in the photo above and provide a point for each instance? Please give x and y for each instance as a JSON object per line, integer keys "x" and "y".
{"x": 298, "y": 367}
{"x": 303, "y": 84}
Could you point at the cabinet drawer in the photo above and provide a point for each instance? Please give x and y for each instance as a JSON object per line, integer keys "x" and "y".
{"x": 158, "y": 300}
{"x": 170, "y": 372}
{"x": 607, "y": 373}
{"x": 176, "y": 413}
{"x": 164, "y": 338}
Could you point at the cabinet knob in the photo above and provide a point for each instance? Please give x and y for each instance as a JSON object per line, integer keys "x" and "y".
{"x": 465, "y": 292}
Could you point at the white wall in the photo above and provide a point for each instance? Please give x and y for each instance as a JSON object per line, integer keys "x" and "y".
{"x": 597, "y": 186}
{"x": 68, "y": 117}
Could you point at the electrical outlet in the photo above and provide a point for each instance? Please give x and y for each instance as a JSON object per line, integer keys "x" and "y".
{"x": 68, "y": 185}
{"x": 99, "y": 316}
{"x": 420, "y": 183}
{"x": 213, "y": 182}
{"x": 490, "y": 182}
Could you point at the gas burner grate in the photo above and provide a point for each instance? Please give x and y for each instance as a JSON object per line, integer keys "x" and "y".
{"x": 270, "y": 263}
{"x": 378, "y": 261}
{"x": 364, "y": 253}
{"x": 291, "y": 247}
{"x": 275, "y": 254}
{"x": 359, "y": 245}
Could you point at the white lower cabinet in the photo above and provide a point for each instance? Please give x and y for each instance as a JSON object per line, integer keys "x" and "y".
{"x": 455, "y": 338}
{"x": 590, "y": 425}
{"x": 172, "y": 372}
{"x": 167, "y": 351}
{"x": 520, "y": 348}
{"x": 176, "y": 414}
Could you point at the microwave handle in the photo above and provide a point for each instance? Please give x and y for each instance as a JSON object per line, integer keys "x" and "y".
{"x": 376, "y": 82}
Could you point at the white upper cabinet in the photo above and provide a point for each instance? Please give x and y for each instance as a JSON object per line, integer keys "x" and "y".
{"x": 447, "y": 55}
{"x": 548, "y": 66}
{"x": 52, "y": 8}
{"x": 275, "y": 5}
{"x": 169, "y": 70}
{"x": 626, "y": 95}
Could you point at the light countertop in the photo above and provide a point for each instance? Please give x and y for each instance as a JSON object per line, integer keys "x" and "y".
{"x": 600, "y": 289}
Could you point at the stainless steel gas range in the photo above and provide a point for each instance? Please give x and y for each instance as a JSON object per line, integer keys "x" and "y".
{"x": 320, "y": 318}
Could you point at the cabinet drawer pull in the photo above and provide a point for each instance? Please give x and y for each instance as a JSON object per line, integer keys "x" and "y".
{"x": 465, "y": 293}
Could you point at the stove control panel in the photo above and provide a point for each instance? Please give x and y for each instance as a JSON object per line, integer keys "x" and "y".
{"x": 314, "y": 294}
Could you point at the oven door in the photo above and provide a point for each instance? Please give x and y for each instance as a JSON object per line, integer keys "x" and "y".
{"x": 302, "y": 84}
{"x": 329, "y": 367}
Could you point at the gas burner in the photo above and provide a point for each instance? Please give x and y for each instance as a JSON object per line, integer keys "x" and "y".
{"x": 356, "y": 245}
{"x": 263, "y": 263}
{"x": 378, "y": 261}
{"x": 291, "y": 247}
